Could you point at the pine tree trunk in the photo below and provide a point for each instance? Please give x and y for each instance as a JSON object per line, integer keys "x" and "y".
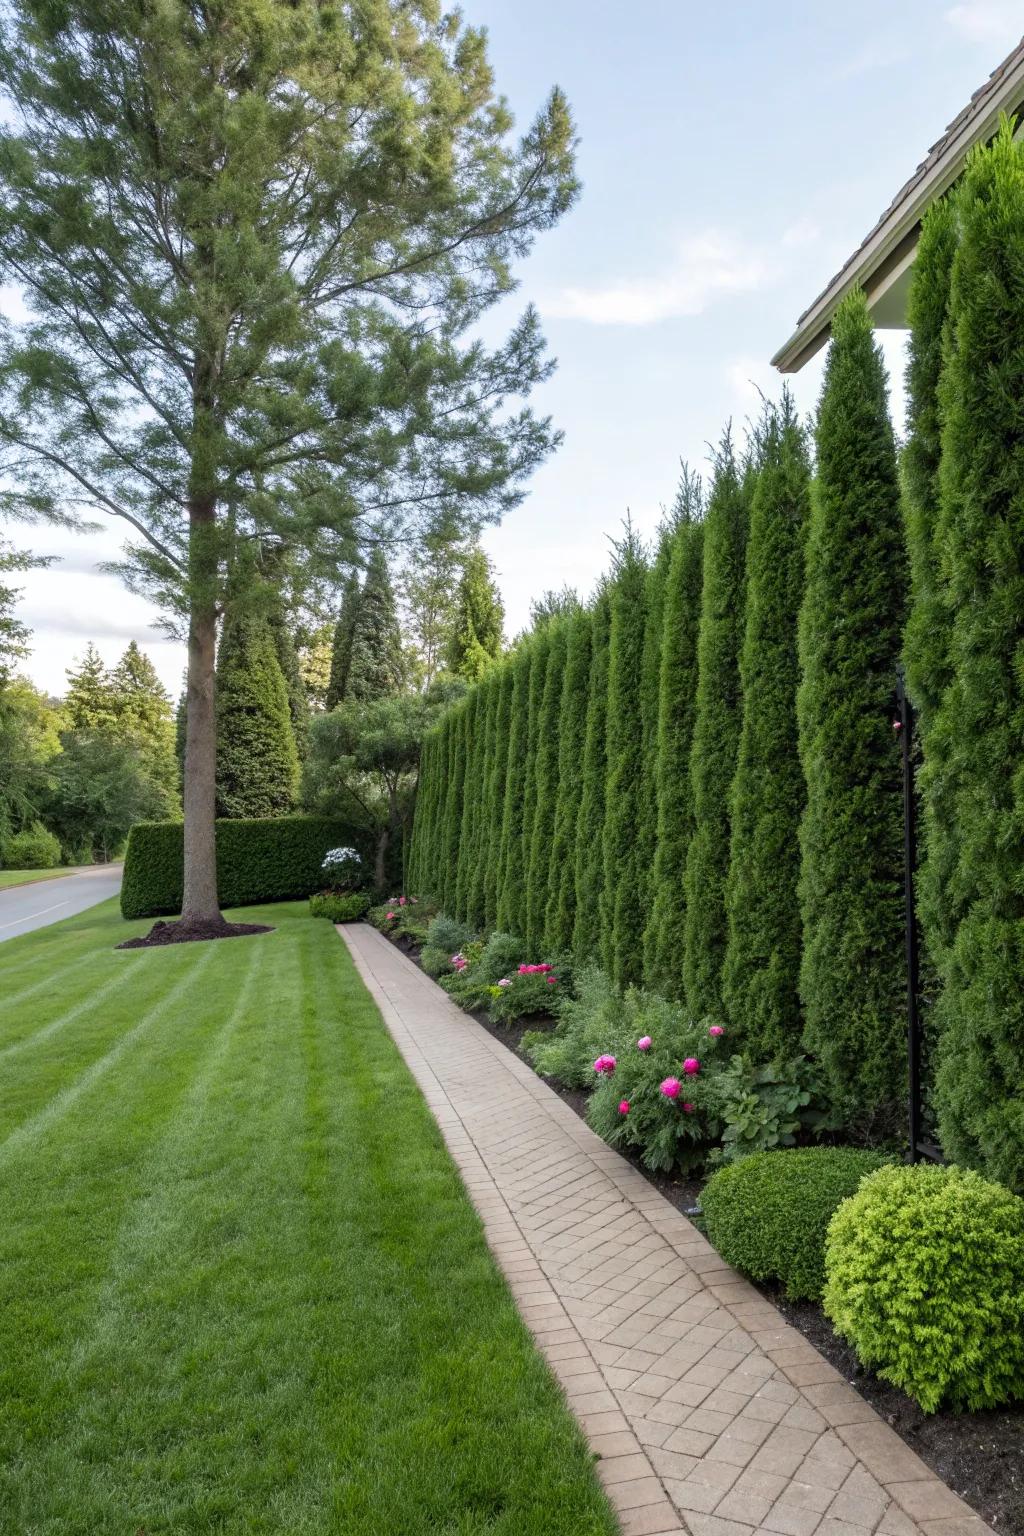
{"x": 199, "y": 898}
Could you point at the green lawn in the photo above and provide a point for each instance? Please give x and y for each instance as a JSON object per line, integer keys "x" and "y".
{"x": 241, "y": 1286}
{"x": 24, "y": 876}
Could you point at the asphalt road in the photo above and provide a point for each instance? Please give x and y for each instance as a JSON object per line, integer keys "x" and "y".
{"x": 24, "y": 907}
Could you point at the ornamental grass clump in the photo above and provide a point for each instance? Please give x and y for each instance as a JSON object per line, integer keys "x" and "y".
{"x": 925, "y": 1276}
{"x": 769, "y": 1213}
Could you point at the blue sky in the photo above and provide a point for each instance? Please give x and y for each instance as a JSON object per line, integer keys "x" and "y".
{"x": 732, "y": 156}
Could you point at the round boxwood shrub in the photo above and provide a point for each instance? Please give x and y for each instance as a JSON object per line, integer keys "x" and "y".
{"x": 340, "y": 906}
{"x": 925, "y": 1277}
{"x": 768, "y": 1214}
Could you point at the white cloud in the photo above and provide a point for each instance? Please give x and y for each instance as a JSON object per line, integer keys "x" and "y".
{"x": 803, "y": 232}
{"x": 987, "y": 21}
{"x": 707, "y": 266}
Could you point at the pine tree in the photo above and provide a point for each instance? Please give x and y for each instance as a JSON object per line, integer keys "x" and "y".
{"x": 590, "y": 826}
{"x": 497, "y": 848}
{"x": 479, "y": 621}
{"x": 341, "y": 645}
{"x": 762, "y": 962}
{"x": 716, "y": 731}
{"x": 545, "y": 768}
{"x": 257, "y": 764}
{"x": 623, "y": 915}
{"x": 851, "y": 881}
{"x": 511, "y": 897}
{"x": 143, "y": 717}
{"x": 560, "y": 912}
{"x": 664, "y": 941}
{"x": 90, "y": 703}
{"x": 375, "y": 668}
{"x": 541, "y": 650}
{"x": 976, "y": 736}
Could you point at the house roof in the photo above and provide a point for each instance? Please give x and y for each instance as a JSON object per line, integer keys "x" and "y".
{"x": 882, "y": 263}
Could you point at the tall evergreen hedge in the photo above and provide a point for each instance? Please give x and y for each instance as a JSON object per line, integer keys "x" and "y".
{"x": 494, "y": 871}
{"x": 560, "y": 913}
{"x": 977, "y": 732}
{"x": 664, "y": 941}
{"x": 511, "y": 904}
{"x": 545, "y": 772}
{"x": 477, "y": 901}
{"x": 540, "y": 647}
{"x": 469, "y": 831}
{"x": 762, "y": 958}
{"x": 852, "y": 974}
{"x": 715, "y": 732}
{"x": 590, "y": 826}
{"x": 257, "y": 759}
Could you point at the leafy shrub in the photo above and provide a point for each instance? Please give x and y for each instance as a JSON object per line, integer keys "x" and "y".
{"x": 274, "y": 860}
{"x": 528, "y": 990}
{"x": 767, "y": 1106}
{"x": 589, "y": 1023}
{"x": 436, "y": 962}
{"x": 768, "y": 1215}
{"x": 448, "y": 933}
{"x": 343, "y": 869}
{"x": 34, "y": 848}
{"x": 339, "y": 906}
{"x": 659, "y": 1096}
{"x": 405, "y": 916}
{"x": 925, "y": 1277}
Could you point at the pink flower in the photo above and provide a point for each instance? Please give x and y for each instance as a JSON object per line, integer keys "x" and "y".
{"x": 644, "y": 1043}
{"x": 605, "y": 1064}
{"x": 402, "y": 901}
{"x": 670, "y": 1087}
{"x": 504, "y": 982}
{"x": 552, "y": 980}
{"x": 715, "y": 1031}
{"x": 624, "y": 1107}
{"x": 688, "y": 1109}
{"x": 390, "y": 914}
{"x": 691, "y": 1066}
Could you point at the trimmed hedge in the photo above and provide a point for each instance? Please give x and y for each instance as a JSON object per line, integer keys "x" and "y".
{"x": 768, "y": 1215}
{"x": 274, "y": 860}
{"x": 349, "y": 907}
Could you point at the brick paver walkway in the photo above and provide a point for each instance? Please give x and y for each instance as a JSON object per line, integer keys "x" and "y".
{"x": 710, "y": 1414}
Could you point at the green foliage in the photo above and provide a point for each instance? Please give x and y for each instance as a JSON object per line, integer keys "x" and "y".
{"x": 545, "y": 771}
{"x": 483, "y": 848}
{"x": 291, "y": 671}
{"x": 273, "y": 860}
{"x": 89, "y": 704}
{"x": 495, "y": 809}
{"x": 29, "y": 741}
{"x": 341, "y": 642}
{"x": 587, "y": 1021}
{"x": 762, "y": 958}
{"x": 32, "y": 848}
{"x": 716, "y": 731}
{"x": 403, "y": 917}
{"x": 768, "y": 1214}
{"x": 664, "y": 942}
{"x": 257, "y": 761}
{"x": 623, "y": 895}
{"x": 589, "y": 871}
{"x": 851, "y": 881}
{"x": 13, "y": 633}
{"x": 766, "y": 1106}
{"x": 925, "y": 1277}
{"x": 975, "y": 741}
{"x": 478, "y": 623}
{"x": 511, "y": 887}
{"x": 99, "y": 789}
{"x": 529, "y": 993}
{"x": 337, "y": 907}
{"x": 375, "y": 667}
{"x": 142, "y": 716}
{"x": 448, "y": 934}
{"x": 560, "y": 908}
{"x": 540, "y": 651}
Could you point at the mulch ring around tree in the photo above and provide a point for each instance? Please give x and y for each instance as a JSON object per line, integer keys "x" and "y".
{"x": 194, "y": 932}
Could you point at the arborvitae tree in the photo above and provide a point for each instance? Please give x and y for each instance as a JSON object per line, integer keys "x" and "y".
{"x": 511, "y": 897}
{"x": 650, "y": 687}
{"x": 482, "y": 852}
{"x": 257, "y": 764}
{"x": 291, "y": 671}
{"x": 496, "y": 847}
{"x": 977, "y": 732}
{"x": 541, "y": 649}
{"x": 560, "y": 912}
{"x": 143, "y": 717}
{"x": 545, "y": 770}
{"x": 89, "y": 704}
{"x": 762, "y": 961}
{"x": 623, "y": 896}
{"x": 590, "y": 826}
{"x": 452, "y": 827}
{"x": 469, "y": 835}
{"x": 341, "y": 645}
{"x": 478, "y": 627}
{"x": 664, "y": 940}
{"x": 716, "y": 731}
{"x": 851, "y": 881}
{"x": 375, "y": 662}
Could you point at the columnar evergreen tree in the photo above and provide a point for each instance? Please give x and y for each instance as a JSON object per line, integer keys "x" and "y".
{"x": 762, "y": 962}
{"x": 257, "y": 764}
{"x": 511, "y": 904}
{"x": 341, "y": 644}
{"x": 977, "y": 730}
{"x": 664, "y": 941}
{"x": 851, "y": 883}
{"x": 452, "y": 826}
{"x": 375, "y": 669}
{"x": 716, "y": 731}
{"x": 590, "y": 826}
{"x": 494, "y": 872}
{"x": 478, "y": 624}
{"x": 650, "y": 687}
{"x": 470, "y": 831}
{"x": 545, "y": 770}
{"x": 482, "y": 852}
{"x": 560, "y": 911}
{"x": 541, "y": 650}
{"x": 622, "y": 905}
{"x": 291, "y": 671}
{"x": 143, "y": 716}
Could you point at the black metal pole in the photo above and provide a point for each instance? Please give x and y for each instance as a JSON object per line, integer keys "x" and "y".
{"x": 904, "y": 725}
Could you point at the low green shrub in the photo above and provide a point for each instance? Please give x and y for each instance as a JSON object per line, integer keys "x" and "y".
{"x": 339, "y": 906}
{"x": 33, "y": 848}
{"x": 589, "y": 1022}
{"x": 448, "y": 933}
{"x": 770, "y": 1105}
{"x": 436, "y": 962}
{"x": 277, "y": 859}
{"x": 529, "y": 990}
{"x": 403, "y": 916}
{"x": 768, "y": 1214}
{"x": 925, "y": 1277}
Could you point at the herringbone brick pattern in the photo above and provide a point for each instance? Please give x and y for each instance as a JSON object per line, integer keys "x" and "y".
{"x": 710, "y": 1415}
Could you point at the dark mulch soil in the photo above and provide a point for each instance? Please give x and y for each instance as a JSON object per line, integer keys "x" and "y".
{"x": 192, "y": 933}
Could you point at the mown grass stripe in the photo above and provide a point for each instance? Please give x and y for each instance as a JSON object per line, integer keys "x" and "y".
{"x": 87, "y": 1005}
